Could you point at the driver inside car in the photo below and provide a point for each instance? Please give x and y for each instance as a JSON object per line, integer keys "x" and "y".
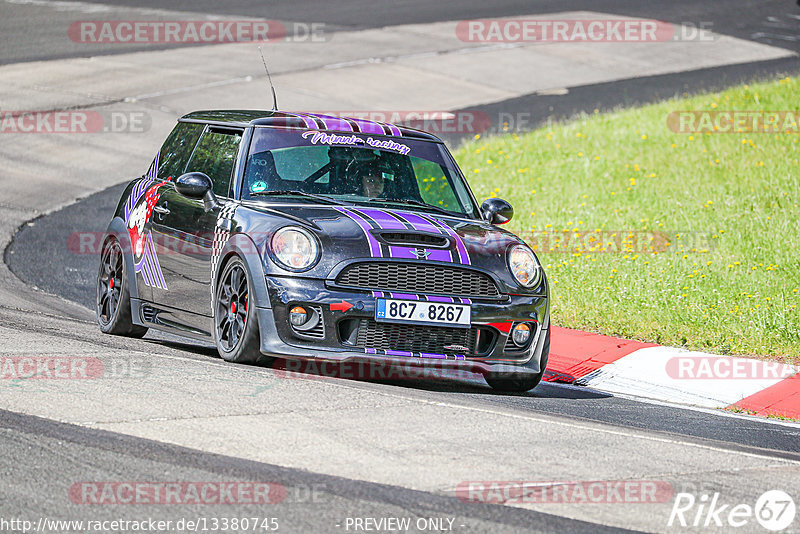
{"x": 372, "y": 181}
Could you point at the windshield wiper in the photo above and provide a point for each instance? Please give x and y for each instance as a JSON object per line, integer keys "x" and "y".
{"x": 321, "y": 198}
{"x": 413, "y": 202}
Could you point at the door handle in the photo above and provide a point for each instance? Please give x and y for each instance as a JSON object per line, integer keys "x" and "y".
{"x": 161, "y": 210}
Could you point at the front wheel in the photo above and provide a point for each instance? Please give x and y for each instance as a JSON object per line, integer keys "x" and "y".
{"x": 235, "y": 324}
{"x": 113, "y": 303}
{"x": 519, "y": 382}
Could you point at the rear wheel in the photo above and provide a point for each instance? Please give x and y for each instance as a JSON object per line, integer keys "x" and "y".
{"x": 113, "y": 303}
{"x": 235, "y": 324}
{"x": 519, "y": 382}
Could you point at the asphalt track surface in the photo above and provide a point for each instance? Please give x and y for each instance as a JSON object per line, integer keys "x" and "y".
{"x": 767, "y": 21}
{"x": 40, "y": 257}
{"x": 32, "y": 444}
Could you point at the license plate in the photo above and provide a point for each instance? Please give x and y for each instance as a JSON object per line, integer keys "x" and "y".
{"x": 423, "y": 312}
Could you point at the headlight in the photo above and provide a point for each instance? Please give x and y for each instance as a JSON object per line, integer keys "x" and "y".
{"x": 523, "y": 266}
{"x": 294, "y": 249}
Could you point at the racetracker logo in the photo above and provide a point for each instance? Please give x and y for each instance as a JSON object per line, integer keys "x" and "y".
{"x": 74, "y": 122}
{"x": 734, "y": 121}
{"x": 616, "y": 242}
{"x": 312, "y": 370}
{"x": 175, "y": 31}
{"x": 566, "y": 492}
{"x": 435, "y": 122}
{"x": 49, "y": 367}
{"x": 726, "y": 368}
{"x": 177, "y": 493}
{"x": 580, "y": 31}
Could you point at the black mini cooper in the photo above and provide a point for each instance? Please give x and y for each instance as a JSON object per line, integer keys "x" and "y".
{"x": 318, "y": 238}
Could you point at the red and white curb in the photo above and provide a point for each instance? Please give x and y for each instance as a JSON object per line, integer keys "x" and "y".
{"x": 673, "y": 375}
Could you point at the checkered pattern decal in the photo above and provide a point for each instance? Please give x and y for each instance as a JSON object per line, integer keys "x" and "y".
{"x": 221, "y": 236}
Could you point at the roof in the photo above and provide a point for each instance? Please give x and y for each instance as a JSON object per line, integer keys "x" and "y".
{"x": 308, "y": 121}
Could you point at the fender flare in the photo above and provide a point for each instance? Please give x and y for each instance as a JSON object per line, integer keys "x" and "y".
{"x": 243, "y": 246}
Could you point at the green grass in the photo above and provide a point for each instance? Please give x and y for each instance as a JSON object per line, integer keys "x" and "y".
{"x": 725, "y": 273}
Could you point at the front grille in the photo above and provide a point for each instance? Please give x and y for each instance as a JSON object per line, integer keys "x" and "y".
{"x": 418, "y": 278}
{"x": 414, "y": 338}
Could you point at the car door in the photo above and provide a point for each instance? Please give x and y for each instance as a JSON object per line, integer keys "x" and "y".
{"x": 168, "y": 164}
{"x": 184, "y": 229}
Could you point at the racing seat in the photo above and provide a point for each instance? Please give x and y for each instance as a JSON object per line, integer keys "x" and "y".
{"x": 261, "y": 168}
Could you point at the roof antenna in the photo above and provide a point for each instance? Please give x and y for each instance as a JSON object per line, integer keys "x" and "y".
{"x": 274, "y": 97}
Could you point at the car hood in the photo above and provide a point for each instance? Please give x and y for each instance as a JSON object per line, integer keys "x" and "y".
{"x": 357, "y": 232}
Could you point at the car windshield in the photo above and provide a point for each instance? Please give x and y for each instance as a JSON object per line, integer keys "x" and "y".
{"x": 295, "y": 165}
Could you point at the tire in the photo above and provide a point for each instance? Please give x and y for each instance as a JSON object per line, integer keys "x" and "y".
{"x": 235, "y": 326}
{"x": 519, "y": 382}
{"x": 113, "y": 299}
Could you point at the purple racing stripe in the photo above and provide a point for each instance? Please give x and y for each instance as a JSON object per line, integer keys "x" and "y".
{"x": 462, "y": 248}
{"x": 398, "y": 353}
{"x": 384, "y": 220}
{"x": 334, "y": 123}
{"x": 308, "y": 120}
{"x": 405, "y": 296}
{"x": 435, "y": 356}
{"x": 374, "y": 246}
{"x": 440, "y": 299}
{"x": 418, "y": 222}
{"x": 409, "y": 254}
{"x": 368, "y": 127}
{"x": 389, "y": 221}
{"x": 394, "y": 130}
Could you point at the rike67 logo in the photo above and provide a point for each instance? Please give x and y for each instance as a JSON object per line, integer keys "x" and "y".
{"x": 774, "y": 510}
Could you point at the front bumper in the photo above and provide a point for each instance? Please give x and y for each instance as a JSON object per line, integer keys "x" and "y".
{"x": 491, "y": 320}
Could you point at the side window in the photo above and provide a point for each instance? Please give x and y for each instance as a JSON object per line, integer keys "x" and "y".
{"x": 434, "y": 186}
{"x": 177, "y": 149}
{"x": 215, "y": 156}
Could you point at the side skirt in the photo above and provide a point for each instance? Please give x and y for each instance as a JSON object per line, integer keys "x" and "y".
{"x": 171, "y": 320}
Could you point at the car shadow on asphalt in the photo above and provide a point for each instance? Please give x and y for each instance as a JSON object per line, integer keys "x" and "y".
{"x": 441, "y": 381}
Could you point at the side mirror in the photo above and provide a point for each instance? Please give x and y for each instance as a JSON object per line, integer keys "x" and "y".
{"x": 497, "y": 210}
{"x": 196, "y": 185}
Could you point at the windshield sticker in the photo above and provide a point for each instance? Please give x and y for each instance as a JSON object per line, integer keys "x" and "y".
{"x": 388, "y": 144}
{"x": 258, "y": 187}
{"x": 318, "y": 137}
